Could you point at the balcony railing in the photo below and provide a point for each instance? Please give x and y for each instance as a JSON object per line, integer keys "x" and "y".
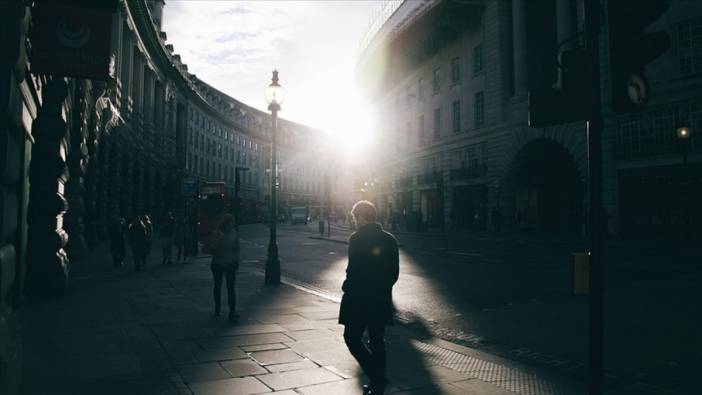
{"x": 467, "y": 173}
{"x": 650, "y": 146}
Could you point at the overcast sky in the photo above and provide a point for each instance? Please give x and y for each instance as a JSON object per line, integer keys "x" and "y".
{"x": 234, "y": 46}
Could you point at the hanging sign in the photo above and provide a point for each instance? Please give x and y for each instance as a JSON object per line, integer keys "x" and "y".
{"x": 73, "y": 39}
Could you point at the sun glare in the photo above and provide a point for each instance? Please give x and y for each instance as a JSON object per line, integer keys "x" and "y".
{"x": 352, "y": 134}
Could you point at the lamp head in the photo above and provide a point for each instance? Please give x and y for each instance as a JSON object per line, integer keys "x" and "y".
{"x": 683, "y": 132}
{"x": 275, "y": 94}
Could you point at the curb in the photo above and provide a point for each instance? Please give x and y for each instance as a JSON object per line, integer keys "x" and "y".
{"x": 332, "y": 240}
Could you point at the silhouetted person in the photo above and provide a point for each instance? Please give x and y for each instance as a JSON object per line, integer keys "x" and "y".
{"x": 149, "y": 234}
{"x": 167, "y": 231}
{"x": 223, "y": 244}
{"x": 373, "y": 269}
{"x": 179, "y": 238}
{"x": 137, "y": 242}
{"x": 118, "y": 228}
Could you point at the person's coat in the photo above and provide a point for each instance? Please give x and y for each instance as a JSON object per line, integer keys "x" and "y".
{"x": 225, "y": 251}
{"x": 373, "y": 269}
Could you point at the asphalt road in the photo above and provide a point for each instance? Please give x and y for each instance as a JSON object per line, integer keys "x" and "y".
{"x": 514, "y": 297}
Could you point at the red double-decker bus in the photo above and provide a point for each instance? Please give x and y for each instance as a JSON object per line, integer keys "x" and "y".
{"x": 211, "y": 206}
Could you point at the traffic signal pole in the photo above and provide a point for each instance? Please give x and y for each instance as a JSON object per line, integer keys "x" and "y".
{"x": 595, "y": 209}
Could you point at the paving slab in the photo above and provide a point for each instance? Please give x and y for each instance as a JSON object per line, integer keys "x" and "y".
{"x": 343, "y": 387}
{"x": 202, "y": 372}
{"x": 238, "y": 386}
{"x": 243, "y": 367}
{"x": 442, "y": 389}
{"x": 298, "y": 378}
{"x": 314, "y": 334}
{"x": 286, "y": 367}
{"x": 247, "y": 330}
{"x": 244, "y": 340}
{"x": 322, "y": 315}
{"x": 220, "y": 354}
{"x": 264, "y": 347}
{"x": 276, "y": 356}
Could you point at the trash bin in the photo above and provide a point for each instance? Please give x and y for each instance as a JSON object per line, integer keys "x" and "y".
{"x": 581, "y": 273}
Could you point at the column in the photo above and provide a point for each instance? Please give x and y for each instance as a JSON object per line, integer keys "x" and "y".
{"x": 519, "y": 40}
{"x": 565, "y": 23}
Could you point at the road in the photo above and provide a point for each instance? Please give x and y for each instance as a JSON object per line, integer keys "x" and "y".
{"x": 514, "y": 298}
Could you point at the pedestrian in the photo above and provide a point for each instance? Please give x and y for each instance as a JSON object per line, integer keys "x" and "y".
{"x": 372, "y": 270}
{"x": 179, "y": 238}
{"x": 118, "y": 228}
{"x": 166, "y": 234}
{"x": 137, "y": 242}
{"x": 223, "y": 244}
{"x": 149, "y": 231}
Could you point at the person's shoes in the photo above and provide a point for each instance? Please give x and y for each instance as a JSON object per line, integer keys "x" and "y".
{"x": 233, "y": 316}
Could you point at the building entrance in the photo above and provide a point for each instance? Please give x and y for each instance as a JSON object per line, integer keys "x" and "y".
{"x": 547, "y": 193}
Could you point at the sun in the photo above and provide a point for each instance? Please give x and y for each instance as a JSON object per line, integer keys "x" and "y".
{"x": 352, "y": 135}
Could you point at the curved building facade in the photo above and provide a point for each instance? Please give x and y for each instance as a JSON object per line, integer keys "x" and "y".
{"x": 451, "y": 80}
{"x": 101, "y": 119}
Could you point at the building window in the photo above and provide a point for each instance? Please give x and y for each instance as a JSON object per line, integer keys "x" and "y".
{"x": 420, "y": 89}
{"x": 456, "y": 116}
{"x": 437, "y": 123}
{"x": 420, "y": 130}
{"x": 690, "y": 45}
{"x": 437, "y": 81}
{"x": 478, "y": 108}
{"x": 455, "y": 69}
{"x": 478, "y": 59}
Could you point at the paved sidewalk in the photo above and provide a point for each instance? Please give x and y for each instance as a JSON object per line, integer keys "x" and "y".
{"x": 153, "y": 332}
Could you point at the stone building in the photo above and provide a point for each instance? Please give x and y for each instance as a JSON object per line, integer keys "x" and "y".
{"x": 100, "y": 119}
{"x": 451, "y": 80}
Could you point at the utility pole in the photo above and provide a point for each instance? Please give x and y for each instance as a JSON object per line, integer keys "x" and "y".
{"x": 595, "y": 210}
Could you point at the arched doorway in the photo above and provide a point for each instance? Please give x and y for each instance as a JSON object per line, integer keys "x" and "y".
{"x": 546, "y": 192}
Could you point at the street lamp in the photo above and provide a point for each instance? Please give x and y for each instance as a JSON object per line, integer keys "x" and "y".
{"x": 275, "y": 95}
{"x": 683, "y": 134}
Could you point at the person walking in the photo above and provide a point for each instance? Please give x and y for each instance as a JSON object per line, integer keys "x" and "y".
{"x": 149, "y": 232}
{"x": 137, "y": 242}
{"x": 118, "y": 228}
{"x": 179, "y": 238}
{"x": 223, "y": 244}
{"x": 167, "y": 238}
{"x": 373, "y": 269}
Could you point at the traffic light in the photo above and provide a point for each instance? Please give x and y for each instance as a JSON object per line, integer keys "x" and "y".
{"x": 567, "y": 100}
{"x": 631, "y": 49}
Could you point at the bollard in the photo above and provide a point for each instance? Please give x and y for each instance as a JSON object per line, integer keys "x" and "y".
{"x": 581, "y": 273}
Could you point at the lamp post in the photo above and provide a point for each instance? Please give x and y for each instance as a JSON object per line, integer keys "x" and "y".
{"x": 683, "y": 134}
{"x": 275, "y": 94}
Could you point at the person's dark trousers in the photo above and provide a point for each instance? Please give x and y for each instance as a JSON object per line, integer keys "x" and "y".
{"x": 228, "y": 273}
{"x": 372, "y": 362}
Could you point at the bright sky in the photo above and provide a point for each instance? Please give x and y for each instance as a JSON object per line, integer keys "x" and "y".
{"x": 234, "y": 46}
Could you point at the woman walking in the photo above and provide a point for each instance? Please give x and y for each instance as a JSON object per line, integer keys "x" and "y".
{"x": 224, "y": 247}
